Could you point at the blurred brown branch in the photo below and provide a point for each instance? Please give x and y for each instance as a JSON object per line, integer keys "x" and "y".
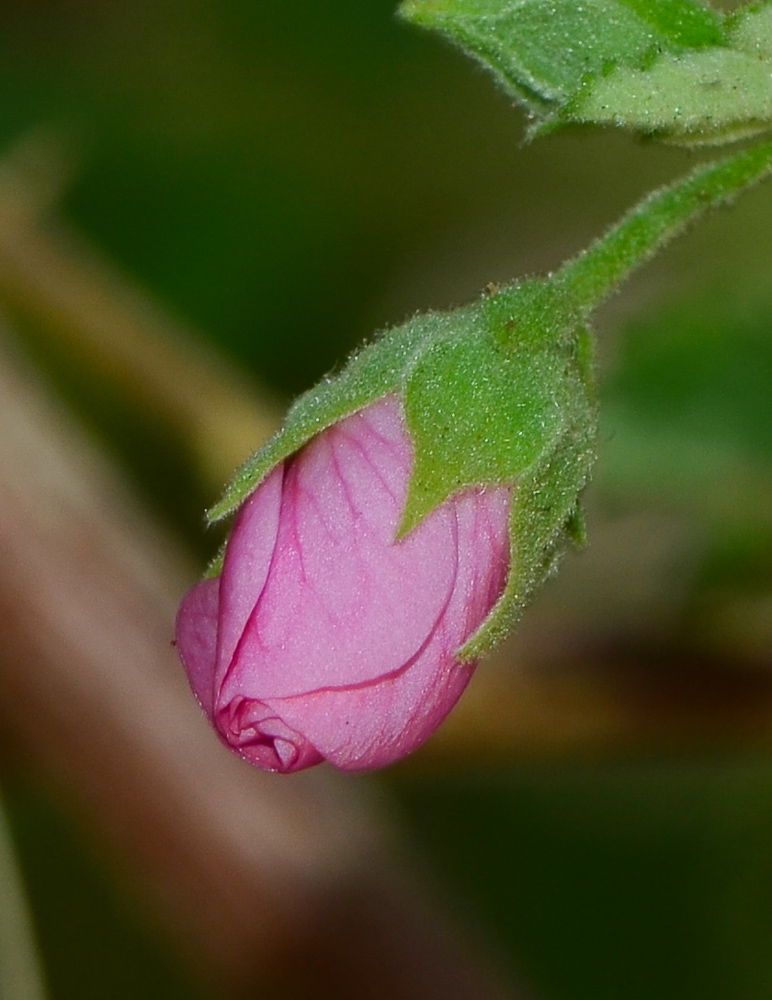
{"x": 56, "y": 280}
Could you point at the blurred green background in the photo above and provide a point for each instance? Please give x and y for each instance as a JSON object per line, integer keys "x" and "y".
{"x": 287, "y": 178}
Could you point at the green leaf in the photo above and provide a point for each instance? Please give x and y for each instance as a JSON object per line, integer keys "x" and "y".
{"x": 750, "y": 30}
{"x": 684, "y": 22}
{"x": 698, "y": 97}
{"x": 665, "y": 68}
{"x": 544, "y": 52}
{"x": 540, "y": 51}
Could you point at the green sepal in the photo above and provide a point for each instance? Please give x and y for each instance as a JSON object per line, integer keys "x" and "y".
{"x": 513, "y": 404}
{"x": 373, "y": 372}
{"x": 546, "y": 516}
{"x": 485, "y": 403}
{"x": 434, "y": 362}
{"x": 499, "y": 392}
{"x": 216, "y": 564}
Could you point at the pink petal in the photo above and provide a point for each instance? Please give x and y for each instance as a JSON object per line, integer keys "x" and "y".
{"x": 248, "y": 559}
{"x": 197, "y": 639}
{"x": 375, "y": 724}
{"x": 344, "y": 603}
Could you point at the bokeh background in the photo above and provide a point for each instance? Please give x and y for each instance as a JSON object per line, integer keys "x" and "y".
{"x": 285, "y": 179}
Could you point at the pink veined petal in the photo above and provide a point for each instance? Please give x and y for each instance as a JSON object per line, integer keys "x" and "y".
{"x": 197, "y": 621}
{"x": 373, "y": 725}
{"x": 482, "y": 517}
{"x": 248, "y": 560}
{"x": 344, "y": 603}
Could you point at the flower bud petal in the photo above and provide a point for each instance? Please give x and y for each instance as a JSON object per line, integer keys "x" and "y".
{"x": 197, "y": 626}
{"x": 329, "y": 638}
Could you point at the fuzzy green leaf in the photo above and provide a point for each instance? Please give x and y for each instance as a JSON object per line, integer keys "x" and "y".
{"x": 546, "y": 52}
{"x": 750, "y": 30}
{"x": 708, "y": 96}
{"x": 690, "y": 23}
{"x": 672, "y": 69}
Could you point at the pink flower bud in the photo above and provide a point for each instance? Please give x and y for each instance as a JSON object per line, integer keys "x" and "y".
{"x": 326, "y": 638}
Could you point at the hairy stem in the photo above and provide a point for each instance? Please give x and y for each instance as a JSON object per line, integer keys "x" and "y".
{"x": 656, "y": 220}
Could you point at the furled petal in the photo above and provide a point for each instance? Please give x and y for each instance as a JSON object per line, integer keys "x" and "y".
{"x": 261, "y": 737}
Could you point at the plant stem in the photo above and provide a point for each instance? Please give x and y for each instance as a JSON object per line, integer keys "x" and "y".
{"x": 656, "y": 220}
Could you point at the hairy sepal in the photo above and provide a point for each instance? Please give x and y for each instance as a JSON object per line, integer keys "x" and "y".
{"x": 496, "y": 393}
